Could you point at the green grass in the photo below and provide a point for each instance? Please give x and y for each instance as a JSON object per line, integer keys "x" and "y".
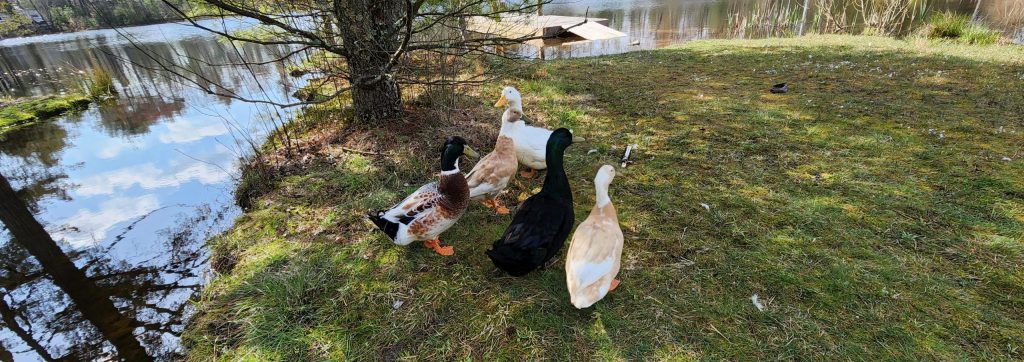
{"x": 22, "y": 111}
{"x": 980, "y": 35}
{"x": 877, "y": 210}
{"x": 958, "y": 27}
{"x": 948, "y": 25}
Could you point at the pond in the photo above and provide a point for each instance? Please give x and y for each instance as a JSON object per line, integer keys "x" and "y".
{"x": 132, "y": 188}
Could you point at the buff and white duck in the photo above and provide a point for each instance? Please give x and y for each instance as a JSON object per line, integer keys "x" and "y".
{"x": 434, "y": 207}
{"x": 491, "y": 175}
{"x": 595, "y": 251}
{"x": 530, "y": 142}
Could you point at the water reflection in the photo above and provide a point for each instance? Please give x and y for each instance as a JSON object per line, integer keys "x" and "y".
{"x": 657, "y": 23}
{"x": 128, "y": 190}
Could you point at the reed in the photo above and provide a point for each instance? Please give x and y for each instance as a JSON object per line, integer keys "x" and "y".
{"x": 100, "y": 84}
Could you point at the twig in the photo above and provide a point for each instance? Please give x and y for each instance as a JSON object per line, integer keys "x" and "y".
{"x": 719, "y": 332}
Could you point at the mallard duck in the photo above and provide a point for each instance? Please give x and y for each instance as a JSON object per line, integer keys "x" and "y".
{"x": 491, "y": 175}
{"x": 544, "y": 220}
{"x": 530, "y": 141}
{"x": 596, "y": 248}
{"x": 434, "y": 207}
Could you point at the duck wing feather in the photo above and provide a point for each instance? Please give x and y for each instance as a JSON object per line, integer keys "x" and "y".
{"x": 423, "y": 199}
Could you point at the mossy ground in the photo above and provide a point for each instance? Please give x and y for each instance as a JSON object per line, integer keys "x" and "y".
{"x": 22, "y": 111}
{"x": 877, "y": 210}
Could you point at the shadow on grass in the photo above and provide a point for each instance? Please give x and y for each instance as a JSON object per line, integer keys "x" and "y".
{"x": 876, "y": 210}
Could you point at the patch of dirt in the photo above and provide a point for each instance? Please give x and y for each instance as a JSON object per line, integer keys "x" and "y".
{"x": 422, "y": 132}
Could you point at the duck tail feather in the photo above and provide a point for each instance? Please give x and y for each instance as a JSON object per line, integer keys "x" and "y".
{"x": 389, "y": 228}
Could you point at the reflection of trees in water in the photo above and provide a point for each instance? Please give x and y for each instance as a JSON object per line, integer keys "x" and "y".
{"x": 83, "y": 305}
{"x": 133, "y": 116}
{"x": 46, "y": 68}
{"x": 31, "y": 157}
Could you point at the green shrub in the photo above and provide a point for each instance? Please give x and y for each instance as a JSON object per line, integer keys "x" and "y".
{"x": 958, "y": 27}
{"x": 64, "y": 18}
{"x": 16, "y": 25}
{"x": 948, "y": 25}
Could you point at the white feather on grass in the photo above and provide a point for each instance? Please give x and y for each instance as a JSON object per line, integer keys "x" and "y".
{"x": 757, "y": 303}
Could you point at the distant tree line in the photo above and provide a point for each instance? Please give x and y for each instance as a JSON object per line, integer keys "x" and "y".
{"x": 74, "y": 15}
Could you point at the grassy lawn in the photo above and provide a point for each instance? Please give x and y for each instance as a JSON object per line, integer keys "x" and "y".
{"x": 877, "y": 210}
{"x": 21, "y": 111}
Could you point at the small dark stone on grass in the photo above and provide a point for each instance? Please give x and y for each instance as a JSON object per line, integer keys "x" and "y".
{"x": 780, "y": 88}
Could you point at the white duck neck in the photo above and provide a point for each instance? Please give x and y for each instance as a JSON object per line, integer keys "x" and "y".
{"x": 452, "y": 171}
{"x": 602, "y": 195}
{"x": 509, "y": 120}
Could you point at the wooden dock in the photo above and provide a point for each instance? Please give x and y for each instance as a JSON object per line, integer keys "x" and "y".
{"x": 567, "y": 29}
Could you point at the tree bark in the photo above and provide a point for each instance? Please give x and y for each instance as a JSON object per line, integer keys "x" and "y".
{"x": 94, "y": 305}
{"x": 377, "y": 103}
{"x": 371, "y": 32}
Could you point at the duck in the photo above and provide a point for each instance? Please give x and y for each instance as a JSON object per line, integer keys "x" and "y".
{"x": 530, "y": 141}
{"x": 543, "y": 222}
{"x": 434, "y": 207}
{"x": 491, "y": 175}
{"x": 595, "y": 252}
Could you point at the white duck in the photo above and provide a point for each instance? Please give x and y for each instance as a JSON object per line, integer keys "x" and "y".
{"x": 531, "y": 142}
{"x": 596, "y": 249}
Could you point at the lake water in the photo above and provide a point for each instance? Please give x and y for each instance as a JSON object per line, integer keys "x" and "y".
{"x": 132, "y": 188}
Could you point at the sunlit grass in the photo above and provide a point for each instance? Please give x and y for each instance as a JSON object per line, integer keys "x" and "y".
{"x": 875, "y": 209}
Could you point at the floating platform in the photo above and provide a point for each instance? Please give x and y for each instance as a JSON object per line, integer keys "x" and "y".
{"x": 560, "y": 30}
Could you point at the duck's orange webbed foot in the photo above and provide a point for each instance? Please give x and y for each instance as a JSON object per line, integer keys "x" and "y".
{"x": 436, "y": 246}
{"x": 615, "y": 284}
{"x": 488, "y": 203}
{"x": 528, "y": 174}
{"x": 499, "y": 208}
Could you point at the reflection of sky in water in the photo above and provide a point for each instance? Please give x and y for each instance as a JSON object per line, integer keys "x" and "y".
{"x": 123, "y": 178}
{"x": 186, "y": 159}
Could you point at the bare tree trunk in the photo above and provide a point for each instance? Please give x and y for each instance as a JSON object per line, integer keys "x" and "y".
{"x": 10, "y": 319}
{"x": 977, "y": 8}
{"x": 803, "y": 18}
{"x": 372, "y": 34}
{"x": 94, "y": 305}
